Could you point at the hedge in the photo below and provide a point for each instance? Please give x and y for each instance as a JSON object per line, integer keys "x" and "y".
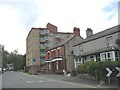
{"x": 97, "y": 69}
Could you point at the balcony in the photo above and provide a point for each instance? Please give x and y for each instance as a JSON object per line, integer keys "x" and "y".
{"x": 42, "y": 47}
{"x": 57, "y": 59}
{"x": 43, "y": 54}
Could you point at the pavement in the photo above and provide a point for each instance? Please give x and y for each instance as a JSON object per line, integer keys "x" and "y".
{"x": 76, "y": 79}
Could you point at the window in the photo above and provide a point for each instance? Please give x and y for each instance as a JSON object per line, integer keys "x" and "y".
{"x": 54, "y": 54}
{"x": 116, "y": 55}
{"x": 109, "y": 41}
{"x": 58, "y": 52}
{"x": 42, "y": 60}
{"x": 57, "y": 65}
{"x": 81, "y": 49}
{"x": 49, "y": 66}
{"x": 109, "y": 56}
{"x": 48, "y": 55}
{"x": 51, "y": 34}
{"x": 57, "y": 36}
{"x": 60, "y": 65}
{"x": 42, "y": 52}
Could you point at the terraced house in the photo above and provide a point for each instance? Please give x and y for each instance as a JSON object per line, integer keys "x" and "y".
{"x": 104, "y": 45}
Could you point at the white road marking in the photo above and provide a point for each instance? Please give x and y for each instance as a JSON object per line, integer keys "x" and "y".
{"x": 30, "y": 81}
{"x": 35, "y": 81}
{"x": 41, "y": 81}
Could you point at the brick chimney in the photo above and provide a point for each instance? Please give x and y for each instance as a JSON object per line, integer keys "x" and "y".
{"x": 51, "y": 28}
{"x": 89, "y": 32}
{"x": 76, "y": 31}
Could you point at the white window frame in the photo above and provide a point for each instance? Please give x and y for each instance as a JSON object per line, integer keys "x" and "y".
{"x": 109, "y": 41}
{"x": 104, "y": 56}
{"x": 57, "y": 67}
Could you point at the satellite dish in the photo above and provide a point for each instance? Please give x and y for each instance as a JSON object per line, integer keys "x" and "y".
{"x": 117, "y": 41}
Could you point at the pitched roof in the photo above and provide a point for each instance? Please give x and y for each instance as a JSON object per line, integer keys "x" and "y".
{"x": 106, "y": 32}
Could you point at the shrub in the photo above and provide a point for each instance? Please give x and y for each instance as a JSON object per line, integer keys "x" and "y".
{"x": 30, "y": 73}
{"x": 81, "y": 69}
{"x": 101, "y": 71}
{"x": 91, "y": 68}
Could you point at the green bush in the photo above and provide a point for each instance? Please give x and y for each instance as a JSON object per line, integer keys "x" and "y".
{"x": 81, "y": 69}
{"x": 102, "y": 72}
{"x": 91, "y": 68}
{"x": 97, "y": 69}
{"x": 30, "y": 73}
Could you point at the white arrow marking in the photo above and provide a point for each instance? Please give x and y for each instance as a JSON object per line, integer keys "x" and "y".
{"x": 109, "y": 72}
{"x": 118, "y": 75}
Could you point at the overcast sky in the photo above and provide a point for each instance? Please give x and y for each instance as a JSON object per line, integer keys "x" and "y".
{"x": 18, "y": 16}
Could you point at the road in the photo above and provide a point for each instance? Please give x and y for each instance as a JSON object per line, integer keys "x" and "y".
{"x": 21, "y": 80}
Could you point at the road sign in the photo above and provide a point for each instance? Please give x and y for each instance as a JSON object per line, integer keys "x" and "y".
{"x": 34, "y": 60}
{"x": 109, "y": 72}
{"x": 118, "y": 75}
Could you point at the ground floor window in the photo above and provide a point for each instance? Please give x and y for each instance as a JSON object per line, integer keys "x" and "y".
{"x": 49, "y": 66}
{"x": 117, "y": 55}
{"x": 107, "y": 56}
{"x": 78, "y": 61}
{"x": 57, "y": 65}
{"x": 60, "y": 65}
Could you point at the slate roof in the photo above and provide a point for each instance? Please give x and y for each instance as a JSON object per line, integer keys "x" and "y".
{"x": 106, "y": 32}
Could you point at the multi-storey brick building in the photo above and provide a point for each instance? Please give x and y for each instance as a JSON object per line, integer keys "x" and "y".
{"x": 38, "y": 41}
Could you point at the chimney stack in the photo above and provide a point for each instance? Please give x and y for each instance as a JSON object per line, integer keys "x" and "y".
{"x": 51, "y": 27}
{"x": 89, "y": 32}
{"x": 76, "y": 31}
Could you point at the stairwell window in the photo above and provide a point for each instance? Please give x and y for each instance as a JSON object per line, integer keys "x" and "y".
{"x": 109, "y": 41}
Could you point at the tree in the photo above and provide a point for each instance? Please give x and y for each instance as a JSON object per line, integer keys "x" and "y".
{"x": 14, "y": 58}
{"x": 5, "y": 58}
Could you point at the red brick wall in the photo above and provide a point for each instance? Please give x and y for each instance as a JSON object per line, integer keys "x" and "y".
{"x": 76, "y": 31}
{"x": 51, "y": 28}
{"x": 63, "y": 61}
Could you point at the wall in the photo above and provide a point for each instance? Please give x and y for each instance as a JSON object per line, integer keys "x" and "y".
{"x": 69, "y": 52}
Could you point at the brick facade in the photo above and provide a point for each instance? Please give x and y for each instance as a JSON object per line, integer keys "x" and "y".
{"x": 55, "y": 60}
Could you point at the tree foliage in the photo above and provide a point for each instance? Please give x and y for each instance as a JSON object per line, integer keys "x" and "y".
{"x": 17, "y": 60}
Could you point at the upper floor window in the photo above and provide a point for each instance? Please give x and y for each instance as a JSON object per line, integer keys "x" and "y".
{"x": 54, "y": 55}
{"x": 109, "y": 41}
{"x": 48, "y": 55}
{"x": 44, "y": 31}
{"x": 81, "y": 49}
{"x": 58, "y": 52}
